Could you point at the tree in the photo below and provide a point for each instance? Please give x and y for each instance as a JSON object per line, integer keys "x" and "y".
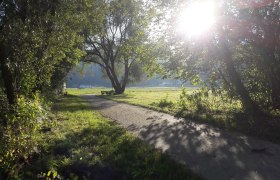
{"x": 34, "y": 37}
{"x": 121, "y": 43}
{"x": 263, "y": 29}
{"x": 239, "y": 55}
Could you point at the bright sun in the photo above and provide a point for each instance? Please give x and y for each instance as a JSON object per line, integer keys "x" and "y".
{"x": 196, "y": 18}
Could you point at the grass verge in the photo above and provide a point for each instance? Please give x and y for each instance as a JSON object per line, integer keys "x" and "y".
{"x": 85, "y": 145}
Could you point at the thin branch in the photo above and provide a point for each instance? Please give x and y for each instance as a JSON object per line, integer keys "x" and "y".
{"x": 93, "y": 61}
{"x": 98, "y": 53}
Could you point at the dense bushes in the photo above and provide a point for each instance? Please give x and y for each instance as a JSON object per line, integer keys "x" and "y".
{"x": 39, "y": 43}
{"x": 17, "y": 135}
{"x": 205, "y": 100}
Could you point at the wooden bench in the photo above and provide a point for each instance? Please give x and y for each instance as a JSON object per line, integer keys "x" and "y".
{"x": 107, "y": 92}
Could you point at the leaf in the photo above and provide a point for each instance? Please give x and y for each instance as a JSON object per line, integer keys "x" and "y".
{"x": 55, "y": 174}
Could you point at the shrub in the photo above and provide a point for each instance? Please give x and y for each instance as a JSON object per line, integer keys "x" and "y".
{"x": 205, "y": 100}
{"x": 17, "y": 136}
{"x": 164, "y": 102}
{"x": 183, "y": 99}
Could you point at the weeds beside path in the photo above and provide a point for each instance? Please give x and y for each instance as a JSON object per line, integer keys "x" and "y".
{"x": 211, "y": 152}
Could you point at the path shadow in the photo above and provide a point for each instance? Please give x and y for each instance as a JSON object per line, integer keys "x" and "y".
{"x": 216, "y": 155}
{"x": 115, "y": 97}
{"x": 99, "y": 103}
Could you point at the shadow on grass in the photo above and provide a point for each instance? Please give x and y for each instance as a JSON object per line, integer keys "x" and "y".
{"x": 71, "y": 103}
{"x": 105, "y": 152}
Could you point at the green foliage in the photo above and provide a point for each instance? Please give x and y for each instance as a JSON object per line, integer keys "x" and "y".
{"x": 239, "y": 56}
{"x": 18, "y": 134}
{"x": 183, "y": 99}
{"x": 120, "y": 45}
{"x": 207, "y": 101}
{"x": 49, "y": 175}
{"x": 35, "y": 37}
{"x": 199, "y": 100}
{"x": 165, "y": 103}
{"x": 39, "y": 43}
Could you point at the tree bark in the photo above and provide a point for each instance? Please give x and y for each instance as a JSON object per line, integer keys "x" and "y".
{"x": 7, "y": 76}
{"x": 272, "y": 75}
{"x": 119, "y": 90}
{"x": 108, "y": 72}
{"x": 248, "y": 104}
{"x": 114, "y": 80}
{"x": 126, "y": 74}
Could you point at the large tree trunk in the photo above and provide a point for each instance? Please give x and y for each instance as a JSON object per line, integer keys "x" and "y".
{"x": 126, "y": 74}
{"x": 119, "y": 89}
{"x": 272, "y": 75}
{"x": 7, "y": 76}
{"x": 248, "y": 104}
{"x": 275, "y": 96}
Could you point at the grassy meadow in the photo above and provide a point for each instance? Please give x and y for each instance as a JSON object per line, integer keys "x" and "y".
{"x": 81, "y": 144}
{"x": 146, "y": 97}
{"x": 168, "y": 100}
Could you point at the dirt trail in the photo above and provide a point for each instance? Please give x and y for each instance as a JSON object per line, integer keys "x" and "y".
{"x": 212, "y": 153}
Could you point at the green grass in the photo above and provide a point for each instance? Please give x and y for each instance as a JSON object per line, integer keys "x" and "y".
{"x": 80, "y": 91}
{"x": 166, "y": 100}
{"x": 84, "y": 145}
{"x": 147, "y": 97}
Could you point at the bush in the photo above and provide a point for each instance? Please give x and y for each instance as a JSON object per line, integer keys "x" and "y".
{"x": 205, "y": 100}
{"x": 183, "y": 99}
{"x": 198, "y": 101}
{"x": 163, "y": 103}
{"x": 17, "y": 136}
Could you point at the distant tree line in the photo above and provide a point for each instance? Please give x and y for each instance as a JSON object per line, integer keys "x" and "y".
{"x": 92, "y": 76}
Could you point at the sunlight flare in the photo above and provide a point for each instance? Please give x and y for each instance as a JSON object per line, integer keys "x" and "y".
{"x": 196, "y": 18}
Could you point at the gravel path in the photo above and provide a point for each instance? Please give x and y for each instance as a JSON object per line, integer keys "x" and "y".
{"x": 212, "y": 153}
